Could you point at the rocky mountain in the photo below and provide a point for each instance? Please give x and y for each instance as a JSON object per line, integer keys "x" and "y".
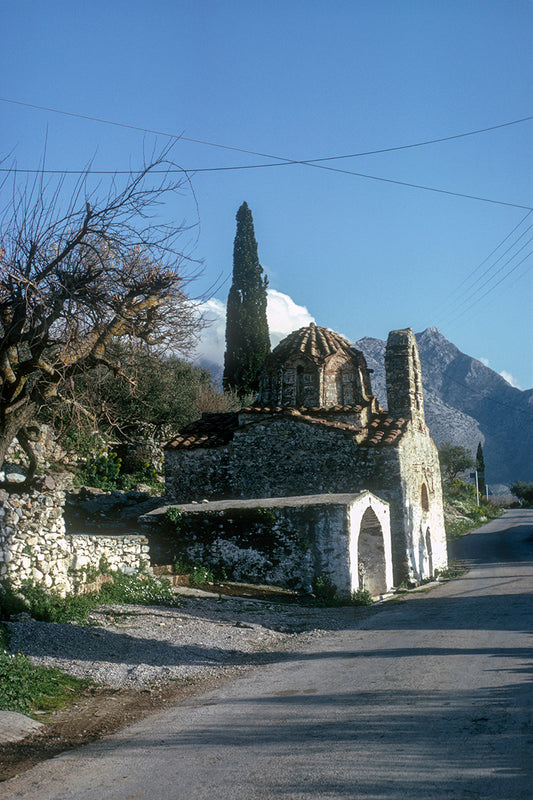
{"x": 467, "y": 403}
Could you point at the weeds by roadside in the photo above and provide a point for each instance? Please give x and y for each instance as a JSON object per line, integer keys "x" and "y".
{"x": 461, "y": 511}
{"x": 50, "y": 606}
{"x": 27, "y": 688}
{"x": 325, "y": 594}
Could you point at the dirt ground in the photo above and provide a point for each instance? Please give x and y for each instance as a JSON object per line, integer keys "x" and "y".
{"x": 102, "y": 710}
{"x": 99, "y": 712}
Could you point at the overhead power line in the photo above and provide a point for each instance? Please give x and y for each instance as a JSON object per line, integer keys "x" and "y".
{"x": 460, "y": 311}
{"x": 282, "y": 161}
{"x": 461, "y": 304}
{"x": 466, "y": 280}
{"x": 267, "y": 155}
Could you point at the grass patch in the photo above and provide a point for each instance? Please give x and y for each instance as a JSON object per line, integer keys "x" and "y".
{"x": 49, "y": 606}
{"x": 27, "y": 689}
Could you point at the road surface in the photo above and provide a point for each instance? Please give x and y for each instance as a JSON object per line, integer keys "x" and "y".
{"x": 429, "y": 697}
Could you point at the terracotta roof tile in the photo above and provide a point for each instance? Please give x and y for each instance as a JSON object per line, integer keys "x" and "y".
{"x": 314, "y": 342}
{"x": 216, "y": 430}
{"x": 212, "y": 430}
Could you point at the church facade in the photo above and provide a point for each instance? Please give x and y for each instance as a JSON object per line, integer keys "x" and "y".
{"x": 316, "y": 429}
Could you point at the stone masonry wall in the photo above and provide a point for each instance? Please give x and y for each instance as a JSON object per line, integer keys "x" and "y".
{"x": 423, "y": 519}
{"x": 280, "y": 457}
{"x": 196, "y": 475}
{"x": 34, "y": 545}
{"x": 283, "y": 541}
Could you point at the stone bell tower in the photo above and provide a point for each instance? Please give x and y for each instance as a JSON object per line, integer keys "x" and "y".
{"x": 404, "y": 376}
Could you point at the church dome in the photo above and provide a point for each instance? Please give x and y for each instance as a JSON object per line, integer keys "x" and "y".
{"x": 313, "y": 342}
{"x": 315, "y": 367}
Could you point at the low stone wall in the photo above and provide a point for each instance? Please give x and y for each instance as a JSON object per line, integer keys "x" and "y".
{"x": 34, "y": 545}
{"x": 127, "y": 553}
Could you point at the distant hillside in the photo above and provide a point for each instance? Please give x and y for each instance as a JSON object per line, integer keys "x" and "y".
{"x": 467, "y": 403}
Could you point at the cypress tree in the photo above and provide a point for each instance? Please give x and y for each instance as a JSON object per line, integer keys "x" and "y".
{"x": 480, "y": 466}
{"x": 247, "y": 339}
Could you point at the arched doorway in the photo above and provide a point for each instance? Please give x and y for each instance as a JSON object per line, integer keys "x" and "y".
{"x": 371, "y": 555}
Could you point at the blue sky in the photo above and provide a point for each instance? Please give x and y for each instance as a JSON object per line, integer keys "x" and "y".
{"x": 301, "y": 80}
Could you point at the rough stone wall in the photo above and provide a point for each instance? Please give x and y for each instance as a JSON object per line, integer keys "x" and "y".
{"x": 282, "y": 541}
{"x": 403, "y": 375}
{"x": 45, "y": 447}
{"x": 423, "y": 517}
{"x": 197, "y": 474}
{"x": 128, "y": 553}
{"x": 280, "y": 457}
{"x": 34, "y": 545}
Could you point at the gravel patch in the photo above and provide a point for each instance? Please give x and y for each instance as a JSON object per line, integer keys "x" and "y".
{"x": 142, "y": 646}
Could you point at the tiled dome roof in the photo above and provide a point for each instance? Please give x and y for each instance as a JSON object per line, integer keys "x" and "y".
{"x": 314, "y": 342}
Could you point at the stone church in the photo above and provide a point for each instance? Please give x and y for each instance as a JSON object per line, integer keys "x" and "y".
{"x": 317, "y": 439}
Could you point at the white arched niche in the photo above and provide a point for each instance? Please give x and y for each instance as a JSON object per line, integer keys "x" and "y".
{"x": 370, "y": 545}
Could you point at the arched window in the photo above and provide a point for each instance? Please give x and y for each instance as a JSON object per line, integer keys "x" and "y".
{"x": 424, "y": 499}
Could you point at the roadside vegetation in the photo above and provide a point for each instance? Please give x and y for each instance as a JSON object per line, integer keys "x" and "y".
{"x": 465, "y": 508}
{"x": 461, "y": 511}
{"x": 524, "y": 493}
{"x": 34, "y": 690}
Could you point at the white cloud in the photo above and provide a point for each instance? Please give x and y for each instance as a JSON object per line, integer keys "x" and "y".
{"x": 485, "y": 361}
{"x": 212, "y": 339}
{"x": 283, "y": 315}
{"x": 509, "y": 378}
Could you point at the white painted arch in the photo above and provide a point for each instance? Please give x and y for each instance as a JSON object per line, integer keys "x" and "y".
{"x": 370, "y": 550}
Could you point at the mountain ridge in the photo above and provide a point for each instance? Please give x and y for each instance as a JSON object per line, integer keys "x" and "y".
{"x": 467, "y": 402}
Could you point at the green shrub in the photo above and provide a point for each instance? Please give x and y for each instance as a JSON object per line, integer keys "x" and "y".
{"x": 200, "y": 575}
{"x": 325, "y": 591}
{"x": 105, "y": 472}
{"x": 141, "y": 589}
{"x": 462, "y": 511}
{"x": 49, "y": 606}
{"x": 102, "y": 472}
{"x": 361, "y": 597}
{"x": 181, "y": 566}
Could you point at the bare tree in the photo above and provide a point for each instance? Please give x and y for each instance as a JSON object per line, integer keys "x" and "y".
{"x": 75, "y": 280}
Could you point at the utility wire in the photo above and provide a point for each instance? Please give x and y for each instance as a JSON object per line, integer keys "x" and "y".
{"x": 474, "y": 271}
{"x": 282, "y": 160}
{"x": 267, "y": 155}
{"x": 484, "y": 277}
{"x": 466, "y": 310}
{"x": 191, "y": 172}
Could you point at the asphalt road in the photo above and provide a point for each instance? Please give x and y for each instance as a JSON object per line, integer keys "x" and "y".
{"x": 429, "y": 697}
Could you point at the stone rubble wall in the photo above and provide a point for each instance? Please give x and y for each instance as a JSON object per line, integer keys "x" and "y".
{"x": 45, "y": 447}
{"x": 282, "y": 546}
{"x": 284, "y": 541}
{"x": 35, "y": 547}
{"x": 128, "y": 553}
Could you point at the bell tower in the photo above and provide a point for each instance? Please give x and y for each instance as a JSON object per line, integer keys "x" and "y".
{"x": 404, "y": 376}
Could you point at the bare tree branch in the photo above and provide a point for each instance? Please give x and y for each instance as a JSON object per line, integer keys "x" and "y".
{"x": 76, "y": 277}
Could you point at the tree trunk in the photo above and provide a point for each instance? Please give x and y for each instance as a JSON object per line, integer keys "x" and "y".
{"x": 11, "y": 424}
